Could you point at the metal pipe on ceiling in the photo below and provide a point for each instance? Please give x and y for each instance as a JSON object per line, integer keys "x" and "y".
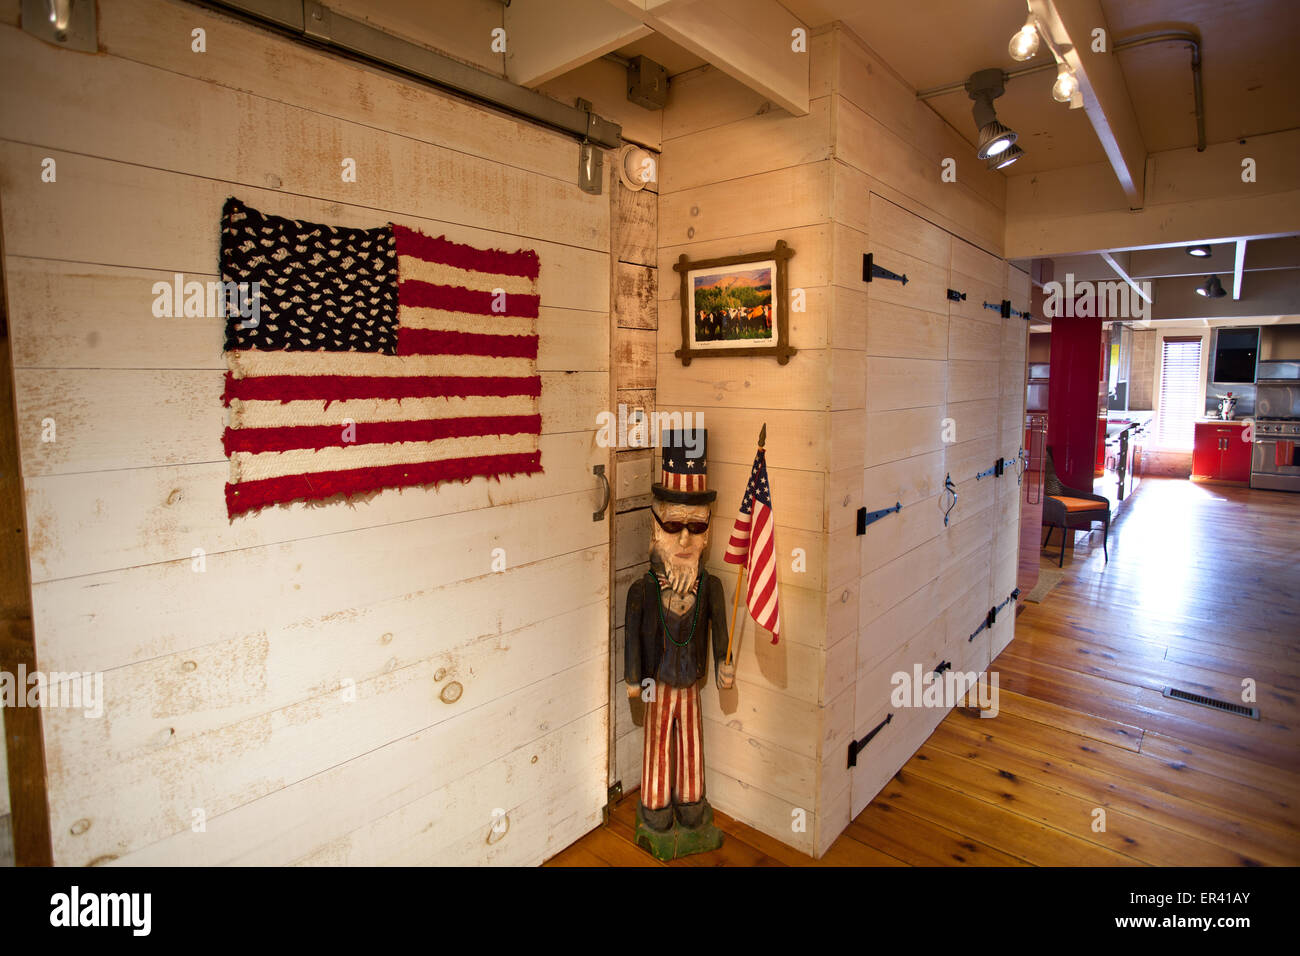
{"x": 1190, "y": 38}
{"x": 314, "y": 23}
{"x": 1161, "y": 36}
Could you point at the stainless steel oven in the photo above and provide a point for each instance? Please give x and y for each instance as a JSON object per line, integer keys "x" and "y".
{"x": 1275, "y": 455}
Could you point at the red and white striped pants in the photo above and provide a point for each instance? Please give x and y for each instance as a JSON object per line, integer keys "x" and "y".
{"x": 672, "y": 722}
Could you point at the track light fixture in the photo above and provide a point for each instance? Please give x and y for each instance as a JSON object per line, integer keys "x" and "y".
{"x": 1066, "y": 85}
{"x": 1201, "y": 252}
{"x": 995, "y": 138}
{"x": 1006, "y": 157}
{"x": 1211, "y": 289}
{"x": 1024, "y": 42}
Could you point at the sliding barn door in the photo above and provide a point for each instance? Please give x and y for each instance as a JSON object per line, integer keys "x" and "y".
{"x": 417, "y": 676}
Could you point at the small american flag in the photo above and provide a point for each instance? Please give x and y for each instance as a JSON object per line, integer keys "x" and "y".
{"x": 379, "y": 358}
{"x": 753, "y": 545}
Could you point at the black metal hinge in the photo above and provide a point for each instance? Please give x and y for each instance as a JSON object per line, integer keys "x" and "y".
{"x": 872, "y": 271}
{"x": 993, "y": 307}
{"x": 866, "y": 517}
{"x": 955, "y": 296}
{"x": 999, "y": 468}
{"x": 943, "y": 666}
{"x": 1006, "y": 308}
{"x": 991, "y": 618}
{"x": 856, "y": 746}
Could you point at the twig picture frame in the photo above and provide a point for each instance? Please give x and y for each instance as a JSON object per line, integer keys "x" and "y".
{"x": 736, "y": 305}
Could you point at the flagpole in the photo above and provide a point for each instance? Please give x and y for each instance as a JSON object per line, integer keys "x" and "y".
{"x": 740, "y": 578}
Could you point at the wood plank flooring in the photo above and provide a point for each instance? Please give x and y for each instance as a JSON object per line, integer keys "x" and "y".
{"x": 1202, "y": 592}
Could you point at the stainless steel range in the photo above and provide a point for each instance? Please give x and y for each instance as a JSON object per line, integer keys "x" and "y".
{"x": 1275, "y": 457}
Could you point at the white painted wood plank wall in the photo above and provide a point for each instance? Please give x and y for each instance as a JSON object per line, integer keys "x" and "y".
{"x": 230, "y": 691}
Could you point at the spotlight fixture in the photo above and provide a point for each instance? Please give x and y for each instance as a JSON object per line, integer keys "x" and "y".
{"x": 994, "y": 139}
{"x": 1200, "y": 252}
{"x": 1024, "y": 42}
{"x": 984, "y": 87}
{"x": 1066, "y": 85}
{"x": 1005, "y": 158}
{"x": 1211, "y": 289}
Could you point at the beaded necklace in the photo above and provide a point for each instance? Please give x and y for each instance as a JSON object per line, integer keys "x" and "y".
{"x": 662, "y": 620}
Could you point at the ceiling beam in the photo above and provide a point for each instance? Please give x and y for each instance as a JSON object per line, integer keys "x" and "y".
{"x": 547, "y": 38}
{"x": 749, "y": 40}
{"x": 1105, "y": 93}
{"x": 1119, "y": 271}
{"x": 1237, "y": 268}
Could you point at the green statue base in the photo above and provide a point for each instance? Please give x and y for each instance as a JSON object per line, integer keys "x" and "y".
{"x": 678, "y": 841}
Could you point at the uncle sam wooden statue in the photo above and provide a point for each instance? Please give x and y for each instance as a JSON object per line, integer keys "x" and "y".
{"x": 674, "y": 611}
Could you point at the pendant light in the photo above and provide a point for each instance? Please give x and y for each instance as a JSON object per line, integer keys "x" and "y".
{"x": 1066, "y": 85}
{"x": 1024, "y": 42}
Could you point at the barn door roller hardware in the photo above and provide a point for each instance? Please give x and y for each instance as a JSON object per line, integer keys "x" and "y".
{"x": 951, "y": 489}
{"x": 999, "y": 467}
{"x": 866, "y": 517}
{"x": 65, "y": 23}
{"x": 316, "y": 23}
{"x": 955, "y": 296}
{"x": 856, "y": 746}
{"x": 872, "y": 271}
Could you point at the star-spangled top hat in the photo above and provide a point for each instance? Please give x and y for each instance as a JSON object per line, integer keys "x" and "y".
{"x": 684, "y": 477}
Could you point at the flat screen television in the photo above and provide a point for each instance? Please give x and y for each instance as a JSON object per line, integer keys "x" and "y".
{"x": 1235, "y": 355}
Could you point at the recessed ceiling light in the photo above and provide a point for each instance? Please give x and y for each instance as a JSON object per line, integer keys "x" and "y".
{"x": 1198, "y": 251}
{"x": 1212, "y": 288}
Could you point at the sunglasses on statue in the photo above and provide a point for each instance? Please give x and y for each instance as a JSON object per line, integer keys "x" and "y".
{"x": 675, "y": 527}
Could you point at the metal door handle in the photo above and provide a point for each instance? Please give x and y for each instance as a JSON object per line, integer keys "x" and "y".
{"x": 599, "y": 472}
{"x": 951, "y": 489}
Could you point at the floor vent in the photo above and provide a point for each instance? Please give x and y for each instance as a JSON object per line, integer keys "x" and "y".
{"x": 1173, "y": 693}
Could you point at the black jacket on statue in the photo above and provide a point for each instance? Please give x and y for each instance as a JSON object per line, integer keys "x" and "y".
{"x": 648, "y": 652}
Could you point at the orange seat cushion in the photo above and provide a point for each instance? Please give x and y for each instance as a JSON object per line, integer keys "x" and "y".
{"x": 1080, "y": 504}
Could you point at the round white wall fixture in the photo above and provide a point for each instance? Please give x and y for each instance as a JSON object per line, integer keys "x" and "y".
{"x": 637, "y": 167}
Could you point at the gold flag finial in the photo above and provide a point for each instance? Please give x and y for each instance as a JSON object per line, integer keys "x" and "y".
{"x": 762, "y": 436}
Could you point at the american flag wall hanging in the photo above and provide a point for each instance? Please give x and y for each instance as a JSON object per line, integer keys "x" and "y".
{"x": 376, "y": 358}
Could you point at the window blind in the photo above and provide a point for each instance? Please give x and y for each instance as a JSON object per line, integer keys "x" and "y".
{"x": 1180, "y": 391}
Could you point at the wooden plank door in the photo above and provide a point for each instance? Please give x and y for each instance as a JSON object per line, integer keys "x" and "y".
{"x": 417, "y": 677}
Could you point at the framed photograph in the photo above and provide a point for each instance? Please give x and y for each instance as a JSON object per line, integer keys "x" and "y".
{"x": 736, "y": 305}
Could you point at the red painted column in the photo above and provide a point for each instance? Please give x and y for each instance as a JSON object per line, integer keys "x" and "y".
{"x": 1072, "y": 398}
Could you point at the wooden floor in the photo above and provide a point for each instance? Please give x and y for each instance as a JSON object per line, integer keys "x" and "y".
{"x": 1202, "y": 591}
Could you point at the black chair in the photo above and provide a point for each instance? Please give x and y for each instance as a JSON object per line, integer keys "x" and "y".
{"x": 1068, "y": 508}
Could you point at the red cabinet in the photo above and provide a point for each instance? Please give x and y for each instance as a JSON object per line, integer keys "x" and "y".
{"x": 1219, "y": 452}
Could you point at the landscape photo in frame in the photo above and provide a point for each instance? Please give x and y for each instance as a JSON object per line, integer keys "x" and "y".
{"x": 732, "y": 306}
{"x": 736, "y": 305}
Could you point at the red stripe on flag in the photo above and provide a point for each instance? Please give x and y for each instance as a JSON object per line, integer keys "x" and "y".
{"x": 252, "y": 495}
{"x": 525, "y": 262}
{"x": 338, "y": 388}
{"x": 416, "y": 293}
{"x": 431, "y": 342}
{"x": 287, "y": 437}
